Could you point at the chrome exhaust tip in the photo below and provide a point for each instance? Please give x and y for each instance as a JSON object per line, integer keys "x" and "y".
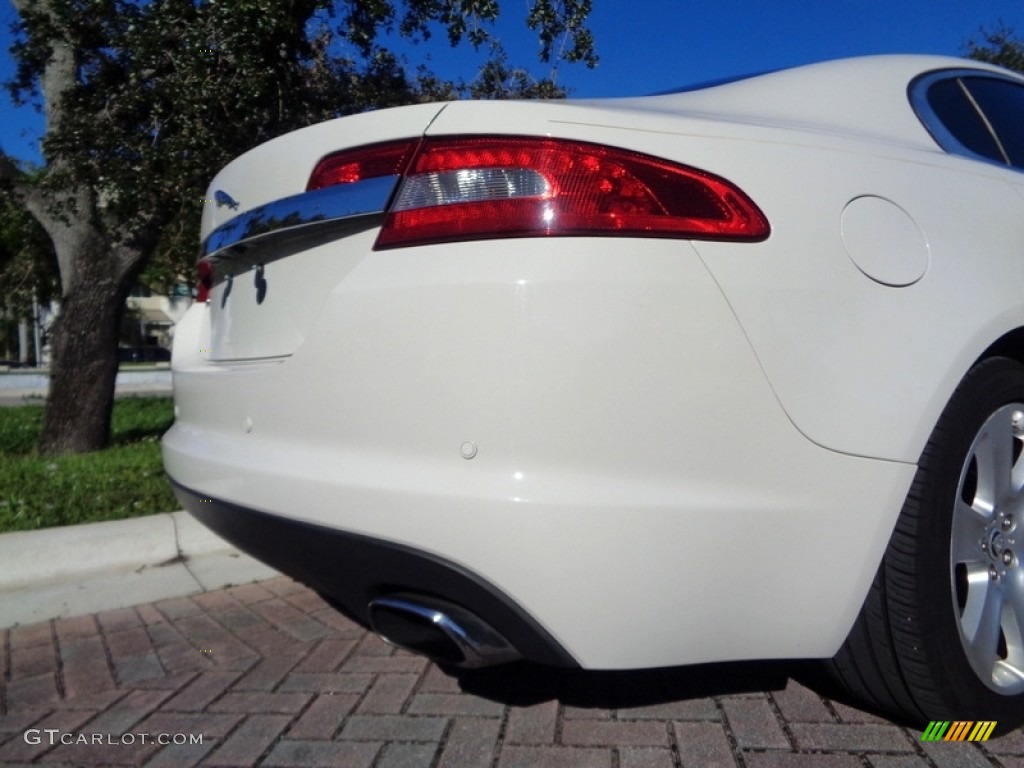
{"x": 442, "y": 631}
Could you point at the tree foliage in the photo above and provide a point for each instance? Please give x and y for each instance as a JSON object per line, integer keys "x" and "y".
{"x": 28, "y": 270}
{"x": 169, "y": 91}
{"x": 1000, "y": 46}
{"x": 146, "y": 99}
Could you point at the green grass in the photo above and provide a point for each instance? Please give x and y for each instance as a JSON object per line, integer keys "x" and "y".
{"x": 125, "y": 480}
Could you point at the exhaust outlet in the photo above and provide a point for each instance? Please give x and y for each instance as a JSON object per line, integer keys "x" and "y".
{"x": 442, "y": 631}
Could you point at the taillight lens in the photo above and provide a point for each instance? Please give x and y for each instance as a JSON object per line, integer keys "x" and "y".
{"x": 204, "y": 280}
{"x": 353, "y": 165}
{"x": 478, "y": 187}
{"x": 466, "y": 188}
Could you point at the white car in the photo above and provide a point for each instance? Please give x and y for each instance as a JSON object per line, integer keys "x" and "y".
{"x": 722, "y": 374}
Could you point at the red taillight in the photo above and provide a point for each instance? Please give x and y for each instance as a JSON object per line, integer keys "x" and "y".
{"x": 359, "y": 164}
{"x": 204, "y": 280}
{"x": 466, "y": 188}
{"x": 477, "y": 187}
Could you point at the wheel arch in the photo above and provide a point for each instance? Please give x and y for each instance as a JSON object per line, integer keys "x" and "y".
{"x": 1010, "y": 344}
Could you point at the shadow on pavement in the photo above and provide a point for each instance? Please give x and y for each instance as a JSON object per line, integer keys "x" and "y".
{"x": 523, "y": 683}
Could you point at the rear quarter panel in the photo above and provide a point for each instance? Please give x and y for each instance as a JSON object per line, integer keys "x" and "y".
{"x": 860, "y": 367}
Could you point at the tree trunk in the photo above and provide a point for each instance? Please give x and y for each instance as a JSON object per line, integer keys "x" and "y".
{"x": 84, "y": 367}
{"x": 94, "y": 276}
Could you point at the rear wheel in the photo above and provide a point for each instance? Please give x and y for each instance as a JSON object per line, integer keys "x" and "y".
{"x": 941, "y": 634}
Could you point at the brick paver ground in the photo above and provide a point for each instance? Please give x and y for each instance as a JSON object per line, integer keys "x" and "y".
{"x": 266, "y": 674}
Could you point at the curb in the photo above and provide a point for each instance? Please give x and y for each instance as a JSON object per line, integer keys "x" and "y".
{"x": 79, "y": 569}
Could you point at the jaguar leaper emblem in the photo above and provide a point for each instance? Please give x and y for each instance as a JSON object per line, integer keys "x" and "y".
{"x": 223, "y": 198}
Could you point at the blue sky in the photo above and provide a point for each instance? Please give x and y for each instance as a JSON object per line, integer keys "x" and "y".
{"x": 647, "y": 46}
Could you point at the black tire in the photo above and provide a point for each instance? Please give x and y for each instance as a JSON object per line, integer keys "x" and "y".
{"x": 909, "y": 654}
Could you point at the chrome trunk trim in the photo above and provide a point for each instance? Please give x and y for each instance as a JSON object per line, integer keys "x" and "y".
{"x": 335, "y": 206}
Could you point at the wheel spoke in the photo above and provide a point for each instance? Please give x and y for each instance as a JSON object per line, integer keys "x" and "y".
{"x": 981, "y": 621}
{"x": 1013, "y": 619}
{"x": 993, "y": 453}
{"x": 1017, "y": 476}
{"x": 1008, "y": 676}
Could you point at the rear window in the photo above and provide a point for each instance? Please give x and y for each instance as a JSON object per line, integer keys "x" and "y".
{"x": 1002, "y": 102}
{"x": 952, "y": 106}
{"x": 973, "y": 114}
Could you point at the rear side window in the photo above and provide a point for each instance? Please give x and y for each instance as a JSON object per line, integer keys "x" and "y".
{"x": 973, "y": 114}
{"x": 953, "y": 107}
{"x": 1002, "y": 102}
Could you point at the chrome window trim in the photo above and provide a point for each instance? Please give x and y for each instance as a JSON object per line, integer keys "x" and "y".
{"x": 918, "y": 94}
{"x": 303, "y": 212}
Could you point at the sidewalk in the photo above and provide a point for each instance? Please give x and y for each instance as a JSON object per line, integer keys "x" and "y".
{"x": 82, "y": 569}
{"x": 28, "y": 387}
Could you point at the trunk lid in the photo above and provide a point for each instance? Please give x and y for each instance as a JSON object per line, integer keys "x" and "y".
{"x": 277, "y": 251}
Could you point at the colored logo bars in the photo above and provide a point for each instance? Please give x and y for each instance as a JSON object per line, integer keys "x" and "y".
{"x": 958, "y": 730}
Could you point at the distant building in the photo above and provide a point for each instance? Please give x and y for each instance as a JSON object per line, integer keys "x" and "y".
{"x": 151, "y": 317}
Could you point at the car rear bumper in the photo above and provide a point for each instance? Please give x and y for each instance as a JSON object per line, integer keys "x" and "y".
{"x": 584, "y": 431}
{"x": 352, "y": 570}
